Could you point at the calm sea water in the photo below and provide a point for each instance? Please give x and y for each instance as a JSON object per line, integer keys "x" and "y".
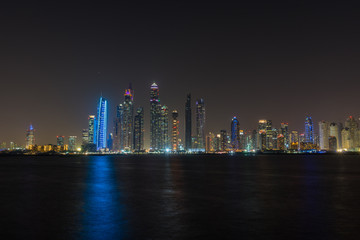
{"x": 180, "y": 197}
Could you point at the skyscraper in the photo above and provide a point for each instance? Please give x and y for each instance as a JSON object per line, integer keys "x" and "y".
{"x": 139, "y": 130}
{"x": 200, "y": 123}
{"x": 91, "y": 129}
{"x": 223, "y": 140}
{"x": 128, "y": 114}
{"x": 324, "y": 133}
{"x": 261, "y": 136}
{"x": 284, "y": 130}
{"x": 155, "y": 116}
{"x": 85, "y": 137}
{"x": 309, "y": 130}
{"x": 235, "y": 134}
{"x": 164, "y": 129}
{"x": 118, "y": 144}
{"x": 175, "y": 131}
{"x": 353, "y": 127}
{"x": 30, "y": 137}
{"x": 60, "y": 141}
{"x": 334, "y": 132}
{"x": 188, "y": 140}
{"x": 101, "y": 124}
{"x": 72, "y": 143}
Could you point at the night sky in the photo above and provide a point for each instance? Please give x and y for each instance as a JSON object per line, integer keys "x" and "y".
{"x": 253, "y": 60}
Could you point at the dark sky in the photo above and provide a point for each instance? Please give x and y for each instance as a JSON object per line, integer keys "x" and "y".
{"x": 256, "y": 60}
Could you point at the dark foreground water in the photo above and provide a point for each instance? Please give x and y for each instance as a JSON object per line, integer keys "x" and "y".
{"x": 180, "y": 197}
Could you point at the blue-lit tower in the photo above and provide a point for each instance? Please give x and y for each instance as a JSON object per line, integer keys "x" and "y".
{"x": 101, "y": 124}
{"x": 235, "y": 134}
{"x": 309, "y": 130}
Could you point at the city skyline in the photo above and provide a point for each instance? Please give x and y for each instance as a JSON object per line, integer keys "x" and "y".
{"x": 253, "y": 60}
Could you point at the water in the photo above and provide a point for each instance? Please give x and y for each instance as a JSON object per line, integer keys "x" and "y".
{"x": 180, "y": 197}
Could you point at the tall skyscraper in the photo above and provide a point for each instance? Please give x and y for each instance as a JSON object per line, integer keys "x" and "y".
{"x": 235, "y": 134}
{"x": 85, "y": 137}
{"x": 91, "y": 129}
{"x": 284, "y": 130}
{"x": 200, "y": 123}
{"x": 101, "y": 124}
{"x": 30, "y": 137}
{"x": 261, "y": 136}
{"x": 309, "y": 130}
{"x": 294, "y": 140}
{"x": 345, "y": 139}
{"x": 353, "y": 127}
{"x": 223, "y": 140}
{"x": 128, "y": 114}
{"x": 164, "y": 129}
{"x": 155, "y": 117}
{"x": 175, "y": 131}
{"x": 188, "y": 123}
{"x": 139, "y": 130}
{"x": 72, "y": 143}
{"x": 324, "y": 133}
{"x": 334, "y": 132}
{"x": 118, "y": 144}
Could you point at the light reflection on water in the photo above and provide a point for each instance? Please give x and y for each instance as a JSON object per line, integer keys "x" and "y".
{"x": 103, "y": 212}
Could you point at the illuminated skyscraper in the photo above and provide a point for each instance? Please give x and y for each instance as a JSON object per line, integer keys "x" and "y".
{"x": 235, "y": 134}
{"x": 309, "y": 130}
{"x": 155, "y": 118}
{"x": 324, "y": 133}
{"x": 284, "y": 130}
{"x": 261, "y": 137}
{"x": 92, "y": 127}
{"x": 200, "y": 123}
{"x": 85, "y": 136}
{"x": 353, "y": 127}
{"x": 72, "y": 143}
{"x": 118, "y": 144}
{"x": 175, "y": 131}
{"x": 188, "y": 140}
{"x": 128, "y": 114}
{"x": 281, "y": 142}
{"x": 334, "y": 132}
{"x": 164, "y": 129}
{"x": 223, "y": 140}
{"x": 30, "y": 137}
{"x": 101, "y": 124}
{"x": 294, "y": 140}
{"x": 139, "y": 130}
{"x": 345, "y": 139}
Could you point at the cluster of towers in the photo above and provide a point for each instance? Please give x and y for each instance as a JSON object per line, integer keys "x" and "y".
{"x": 128, "y": 133}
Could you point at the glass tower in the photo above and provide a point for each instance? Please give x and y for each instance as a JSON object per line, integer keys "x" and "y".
{"x": 200, "y": 123}
{"x": 30, "y": 137}
{"x": 175, "y": 131}
{"x": 101, "y": 124}
{"x": 139, "y": 130}
{"x": 188, "y": 140}
{"x": 155, "y": 116}
{"x": 309, "y": 130}
{"x": 235, "y": 134}
{"x": 91, "y": 129}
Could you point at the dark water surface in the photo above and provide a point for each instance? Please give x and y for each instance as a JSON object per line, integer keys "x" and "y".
{"x": 180, "y": 197}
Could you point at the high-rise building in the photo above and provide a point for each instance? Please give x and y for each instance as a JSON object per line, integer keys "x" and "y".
{"x": 127, "y": 124}
{"x": 334, "y": 132}
{"x": 284, "y": 130}
{"x": 223, "y": 140}
{"x": 60, "y": 141}
{"x": 3, "y": 145}
{"x": 175, "y": 131}
{"x": 188, "y": 124}
{"x": 200, "y": 123}
{"x": 72, "y": 143}
{"x": 353, "y": 127}
{"x": 281, "y": 142}
{"x": 235, "y": 134}
{"x": 309, "y": 130}
{"x": 155, "y": 117}
{"x": 118, "y": 143}
{"x": 294, "y": 140}
{"x": 332, "y": 144}
{"x": 85, "y": 136}
{"x": 324, "y": 133}
{"x": 164, "y": 129}
{"x": 91, "y": 129}
{"x": 345, "y": 139}
{"x": 30, "y": 137}
{"x": 261, "y": 136}
{"x": 139, "y": 130}
{"x": 101, "y": 124}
